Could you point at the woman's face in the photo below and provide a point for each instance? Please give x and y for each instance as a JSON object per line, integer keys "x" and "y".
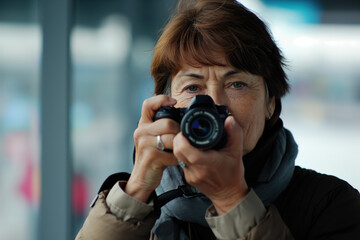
{"x": 243, "y": 93}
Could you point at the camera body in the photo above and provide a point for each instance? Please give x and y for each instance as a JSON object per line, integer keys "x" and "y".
{"x": 202, "y": 122}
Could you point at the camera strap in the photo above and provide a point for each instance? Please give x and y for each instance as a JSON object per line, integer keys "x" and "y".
{"x": 182, "y": 191}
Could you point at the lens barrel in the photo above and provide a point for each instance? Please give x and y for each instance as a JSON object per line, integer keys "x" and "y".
{"x": 202, "y": 122}
{"x": 202, "y": 127}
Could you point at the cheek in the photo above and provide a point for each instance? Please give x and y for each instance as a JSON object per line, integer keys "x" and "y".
{"x": 181, "y": 102}
{"x": 252, "y": 121}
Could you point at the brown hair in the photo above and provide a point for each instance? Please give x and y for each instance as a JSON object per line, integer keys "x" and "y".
{"x": 202, "y": 31}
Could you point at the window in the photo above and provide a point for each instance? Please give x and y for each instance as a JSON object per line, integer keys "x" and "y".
{"x": 20, "y": 47}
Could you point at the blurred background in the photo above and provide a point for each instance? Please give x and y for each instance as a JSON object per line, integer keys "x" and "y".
{"x": 110, "y": 50}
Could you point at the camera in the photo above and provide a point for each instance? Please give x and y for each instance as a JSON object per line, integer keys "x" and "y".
{"x": 202, "y": 122}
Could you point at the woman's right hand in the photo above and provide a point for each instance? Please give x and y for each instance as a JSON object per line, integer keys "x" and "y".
{"x": 150, "y": 162}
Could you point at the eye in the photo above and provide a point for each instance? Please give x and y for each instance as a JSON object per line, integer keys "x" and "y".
{"x": 238, "y": 85}
{"x": 192, "y": 88}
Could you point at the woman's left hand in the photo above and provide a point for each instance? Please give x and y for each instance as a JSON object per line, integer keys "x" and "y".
{"x": 217, "y": 174}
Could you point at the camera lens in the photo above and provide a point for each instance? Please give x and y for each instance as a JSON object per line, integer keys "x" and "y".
{"x": 201, "y": 128}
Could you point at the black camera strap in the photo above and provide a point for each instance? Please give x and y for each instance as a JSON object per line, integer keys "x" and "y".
{"x": 182, "y": 191}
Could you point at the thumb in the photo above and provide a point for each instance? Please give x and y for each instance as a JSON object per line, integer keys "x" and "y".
{"x": 234, "y": 135}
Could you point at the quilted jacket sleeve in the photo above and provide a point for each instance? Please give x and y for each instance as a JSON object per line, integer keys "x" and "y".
{"x": 249, "y": 220}
{"x": 102, "y": 224}
{"x": 271, "y": 227}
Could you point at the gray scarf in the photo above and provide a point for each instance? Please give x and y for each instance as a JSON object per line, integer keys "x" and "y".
{"x": 273, "y": 179}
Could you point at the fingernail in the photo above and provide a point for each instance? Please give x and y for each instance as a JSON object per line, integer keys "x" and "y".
{"x": 233, "y": 122}
{"x": 172, "y": 100}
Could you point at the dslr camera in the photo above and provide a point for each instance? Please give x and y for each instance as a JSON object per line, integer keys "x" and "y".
{"x": 202, "y": 122}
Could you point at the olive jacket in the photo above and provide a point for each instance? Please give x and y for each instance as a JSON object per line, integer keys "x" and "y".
{"x": 313, "y": 206}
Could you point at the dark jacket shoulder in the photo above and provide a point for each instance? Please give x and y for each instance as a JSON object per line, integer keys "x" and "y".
{"x": 319, "y": 206}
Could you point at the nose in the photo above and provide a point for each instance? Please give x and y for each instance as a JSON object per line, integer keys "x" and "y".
{"x": 218, "y": 96}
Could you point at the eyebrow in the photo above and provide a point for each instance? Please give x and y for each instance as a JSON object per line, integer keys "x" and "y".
{"x": 231, "y": 72}
{"x": 194, "y": 75}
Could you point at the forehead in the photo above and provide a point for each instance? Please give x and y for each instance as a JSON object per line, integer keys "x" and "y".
{"x": 203, "y": 71}
{"x": 219, "y": 63}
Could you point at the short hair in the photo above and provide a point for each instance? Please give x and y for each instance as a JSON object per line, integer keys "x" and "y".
{"x": 201, "y": 31}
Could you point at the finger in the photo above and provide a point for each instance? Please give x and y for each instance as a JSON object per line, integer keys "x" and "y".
{"x": 158, "y": 142}
{"x": 180, "y": 144}
{"x": 164, "y": 125}
{"x": 159, "y": 127}
{"x": 152, "y": 104}
{"x": 167, "y": 158}
{"x": 167, "y": 141}
{"x": 166, "y": 128}
{"x": 184, "y": 151}
{"x": 234, "y": 135}
{"x": 148, "y": 150}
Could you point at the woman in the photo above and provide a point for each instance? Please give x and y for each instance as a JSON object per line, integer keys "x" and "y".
{"x": 249, "y": 189}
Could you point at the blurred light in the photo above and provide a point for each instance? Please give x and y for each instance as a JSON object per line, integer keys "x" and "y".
{"x": 108, "y": 44}
{"x": 20, "y": 45}
{"x": 305, "y": 42}
{"x": 320, "y": 45}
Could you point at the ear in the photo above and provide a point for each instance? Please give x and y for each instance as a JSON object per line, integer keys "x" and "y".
{"x": 270, "y": 106}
